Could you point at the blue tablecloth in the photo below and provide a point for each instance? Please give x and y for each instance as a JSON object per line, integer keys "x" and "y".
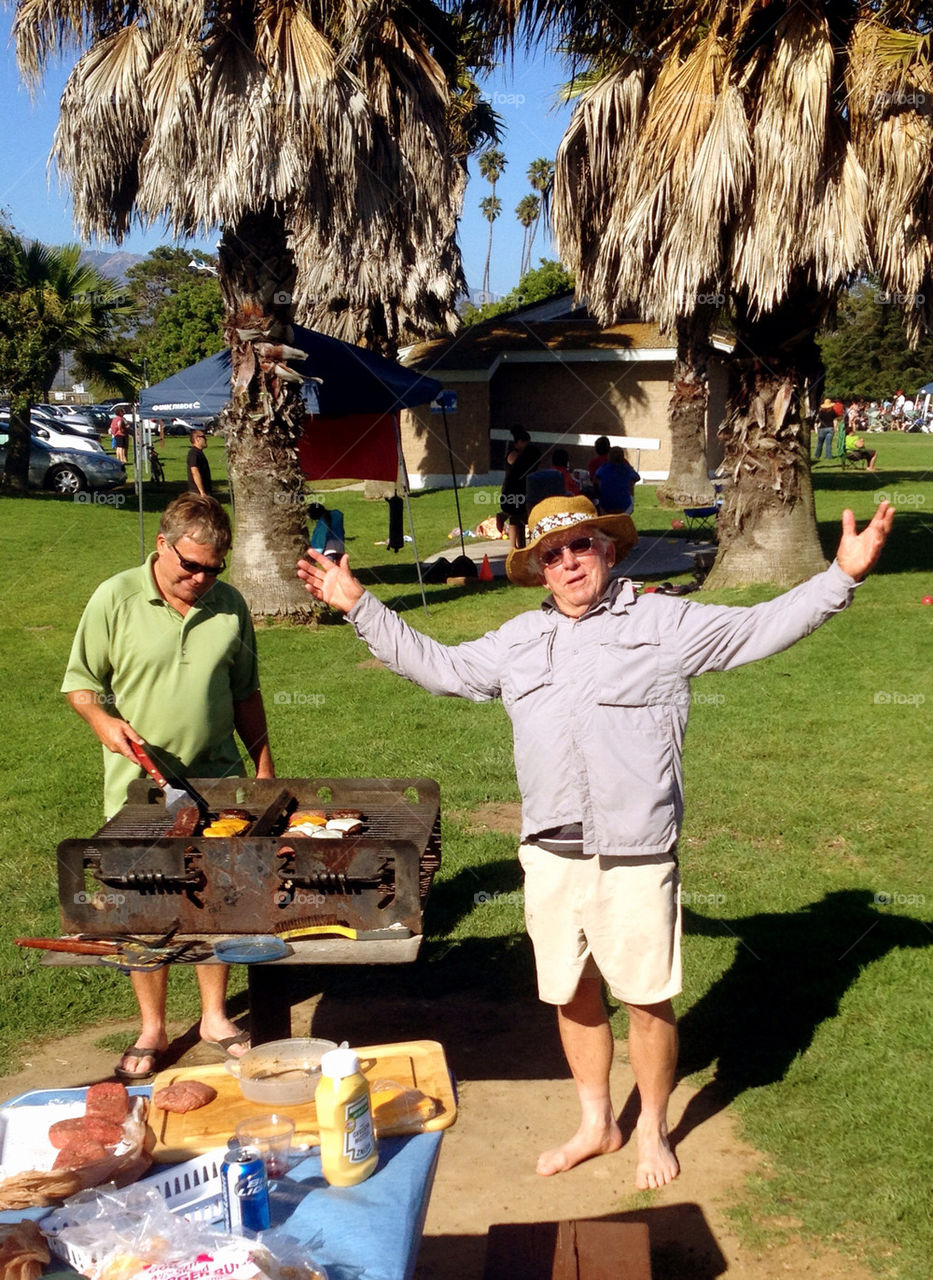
{"x": 368, "y": 1232}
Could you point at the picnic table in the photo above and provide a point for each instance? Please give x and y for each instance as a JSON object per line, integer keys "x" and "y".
{"x": 374, "y": 1228}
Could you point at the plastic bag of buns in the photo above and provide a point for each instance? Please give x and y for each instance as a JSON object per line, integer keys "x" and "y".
{"x": 398, "y": 1108}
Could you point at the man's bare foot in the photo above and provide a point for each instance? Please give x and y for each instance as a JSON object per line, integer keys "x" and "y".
{"x": 146, "y": 1061}
{"x": 221, "y": 1033}
{"x": 587, "y": 1142}
{"x": 657, "y": 1164}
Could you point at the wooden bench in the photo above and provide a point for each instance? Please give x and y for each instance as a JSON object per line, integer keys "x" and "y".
{"x": 581, "y": 1249}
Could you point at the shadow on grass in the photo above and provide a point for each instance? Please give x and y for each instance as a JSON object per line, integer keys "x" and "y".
{"x": 790, "y": 972}
{"x": 909, "y": 548}
{"x": 477, "y": 995}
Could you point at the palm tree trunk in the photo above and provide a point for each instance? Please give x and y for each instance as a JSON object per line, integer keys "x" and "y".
{"x": 265, "y": 419}
{"x": 488, "y": 261}
{"x": 767, "y": 526}
{"x": 16, "y": 468}
{"x": 688, "y": 483}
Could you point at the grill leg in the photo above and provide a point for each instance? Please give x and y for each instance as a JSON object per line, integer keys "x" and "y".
{"x": 270, "y": 1014}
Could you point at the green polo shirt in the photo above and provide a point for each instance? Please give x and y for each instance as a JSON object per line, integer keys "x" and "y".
{"x": 174, "y": 679}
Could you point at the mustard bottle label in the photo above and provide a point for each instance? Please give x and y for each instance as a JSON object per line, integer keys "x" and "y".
{"x": 358, "y": 1130}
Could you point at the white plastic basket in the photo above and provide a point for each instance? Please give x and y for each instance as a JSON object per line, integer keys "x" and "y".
{"x": 191, "y": 1189}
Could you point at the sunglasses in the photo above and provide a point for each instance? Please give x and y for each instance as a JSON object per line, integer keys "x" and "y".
{"x": 578, "y": 547}
{"x": 194, "y": 566}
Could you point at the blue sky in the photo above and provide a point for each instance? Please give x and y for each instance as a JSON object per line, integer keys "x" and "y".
{"x": 523, "y": 93}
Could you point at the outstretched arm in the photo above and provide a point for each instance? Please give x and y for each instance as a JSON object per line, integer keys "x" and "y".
{"x": 330, "y": 582}
{"x": 858, "y": 552}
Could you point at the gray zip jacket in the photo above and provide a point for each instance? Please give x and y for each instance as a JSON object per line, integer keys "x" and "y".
{"x": 599, "y": 704}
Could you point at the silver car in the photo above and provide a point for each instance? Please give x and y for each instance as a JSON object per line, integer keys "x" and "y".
{"x": 58, "y": 435}
{"x": 67, "y": 471}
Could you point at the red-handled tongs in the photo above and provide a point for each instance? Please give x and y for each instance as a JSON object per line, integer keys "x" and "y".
{"x": 176, "y": 789}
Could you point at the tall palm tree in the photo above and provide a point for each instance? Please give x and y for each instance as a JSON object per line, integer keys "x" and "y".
{"x": 490, "y": 207}
{"x": 52, "y": 304}
{"x": 541, "y": 177}
{"x": 763, "y": 153}
{"x": 527, "y": 211}
{"x": 309, "y": 127}
{"x": 491, "y": 166}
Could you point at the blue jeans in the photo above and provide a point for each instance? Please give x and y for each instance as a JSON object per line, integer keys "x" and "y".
{"x": 825, "y": 434}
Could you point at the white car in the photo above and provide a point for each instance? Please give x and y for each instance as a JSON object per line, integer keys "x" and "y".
{"x": 57, "y": 437}
{"x": 65, "y": 439}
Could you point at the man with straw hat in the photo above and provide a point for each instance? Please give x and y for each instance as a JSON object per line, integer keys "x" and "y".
{"x": 596, "y": 683}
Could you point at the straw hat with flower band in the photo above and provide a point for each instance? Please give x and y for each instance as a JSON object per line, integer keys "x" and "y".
{"x": 554, "y": 515}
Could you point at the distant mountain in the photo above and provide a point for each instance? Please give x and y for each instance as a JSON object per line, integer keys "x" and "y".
{"x": 113, "y": 263}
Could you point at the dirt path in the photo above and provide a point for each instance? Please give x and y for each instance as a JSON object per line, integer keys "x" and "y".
{"x": 515, "y": 1099}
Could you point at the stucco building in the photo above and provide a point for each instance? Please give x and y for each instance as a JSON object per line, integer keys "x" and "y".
{"x": 553, "y": 370}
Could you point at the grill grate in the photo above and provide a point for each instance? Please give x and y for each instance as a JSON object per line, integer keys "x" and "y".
{"x": 133, "y": 876}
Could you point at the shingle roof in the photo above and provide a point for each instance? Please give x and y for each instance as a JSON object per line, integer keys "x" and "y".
{"x": 482, "y": 344}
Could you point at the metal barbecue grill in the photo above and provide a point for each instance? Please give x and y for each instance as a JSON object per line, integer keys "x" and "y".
{"x": 149, "y": 868}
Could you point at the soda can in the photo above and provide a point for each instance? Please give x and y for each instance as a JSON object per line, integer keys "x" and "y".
{"x": 245, "y": 1191}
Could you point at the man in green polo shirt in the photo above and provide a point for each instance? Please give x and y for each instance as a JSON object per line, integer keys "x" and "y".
{"x": 165, "y": 654}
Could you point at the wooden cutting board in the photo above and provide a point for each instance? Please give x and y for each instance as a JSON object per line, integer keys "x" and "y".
{"x": 414, "y": 1064}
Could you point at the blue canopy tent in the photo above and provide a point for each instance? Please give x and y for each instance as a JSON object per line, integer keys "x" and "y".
{"x": 352, "y": 427}
{"x": 353, "y": 381}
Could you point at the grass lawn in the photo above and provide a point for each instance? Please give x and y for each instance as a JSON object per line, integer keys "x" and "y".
{"x": 808, "y": 878}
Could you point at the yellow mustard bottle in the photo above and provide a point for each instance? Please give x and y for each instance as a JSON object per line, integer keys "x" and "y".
{"x": 345, "y": 1120}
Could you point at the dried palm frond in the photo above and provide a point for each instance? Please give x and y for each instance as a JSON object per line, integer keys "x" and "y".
{"x": 591, "y": 167}
{"x": 689, "y": 268}
{"x": 890, "y": 92}
{"x": 102, "y": 127}
{"x": 797, "y": 154}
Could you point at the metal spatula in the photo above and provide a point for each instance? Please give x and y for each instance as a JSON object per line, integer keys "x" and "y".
{"x": 176, "y": 790}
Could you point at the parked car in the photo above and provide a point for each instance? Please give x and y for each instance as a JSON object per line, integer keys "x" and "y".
{"x": 76, "y": 418}
{"x": 59, "y": 436}
{"x": 67, "y": 471}
{"x": 66, "y": 437}
{"x": 85, "y": 418}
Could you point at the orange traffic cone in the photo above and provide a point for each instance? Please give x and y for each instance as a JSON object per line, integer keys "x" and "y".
{"x": 485, "y": 570}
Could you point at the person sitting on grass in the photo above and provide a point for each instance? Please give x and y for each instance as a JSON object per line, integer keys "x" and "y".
{"x": 856, "y": 451}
